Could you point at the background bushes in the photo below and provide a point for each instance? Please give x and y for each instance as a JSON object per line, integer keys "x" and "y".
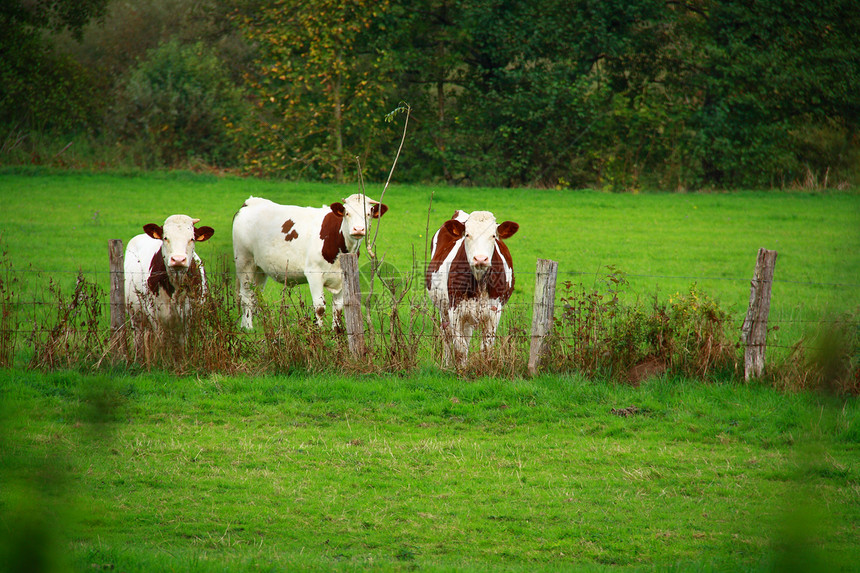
{"x": 180, "y": 103}
{"x": 619, "y": 95}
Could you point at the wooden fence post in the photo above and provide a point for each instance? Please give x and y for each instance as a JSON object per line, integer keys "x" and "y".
{"x": 544, "y": 308}
{"x": 352, "y": 304}
{"x": 117, "y": 298}
{"x": 754, "y": 329}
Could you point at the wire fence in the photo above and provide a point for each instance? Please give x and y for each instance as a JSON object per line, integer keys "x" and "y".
{"x": 23, "y": 296}
{"x": 35, "y": 300}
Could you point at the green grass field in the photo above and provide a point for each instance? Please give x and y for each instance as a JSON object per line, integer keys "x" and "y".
{"x": 129, "y": 470}
{"x": 155, "y": 473}
{"x": 57, "y": 223}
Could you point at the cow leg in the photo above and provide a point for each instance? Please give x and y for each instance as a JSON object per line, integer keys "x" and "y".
{"x": 491, "y": 325}
{"x": 446, "y": 346}
{"x": 337, "y": 309}
{"x": 249, "y": 278}
{"x": 317, "y": 285}
{"x": 462, "y": 336}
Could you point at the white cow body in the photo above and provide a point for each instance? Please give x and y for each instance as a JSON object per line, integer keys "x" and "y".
{"x": 295, "y": 245}
{"x": 161, "y": 269}
{"x": 469, "y": 279}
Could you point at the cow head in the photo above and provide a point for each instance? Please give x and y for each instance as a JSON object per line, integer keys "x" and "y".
{"x": 356, "y": 211}
{"x": 480, "y": 233}
{"x": 178, "y": 236}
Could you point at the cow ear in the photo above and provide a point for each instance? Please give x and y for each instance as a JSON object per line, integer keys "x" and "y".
{"x": 153, "y": 230}
{"x": 338, "y": 209}
{"x": 507, "y": 229}
{"x": 378, "y": 210}
{"x": 203, "y": 233}
{"x": 456, "y": 228}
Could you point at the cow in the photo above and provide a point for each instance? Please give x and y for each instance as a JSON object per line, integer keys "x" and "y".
{"x": 163, "y": 274}
{"x": 470, "y": 277}
{"x": 294, "y": 245}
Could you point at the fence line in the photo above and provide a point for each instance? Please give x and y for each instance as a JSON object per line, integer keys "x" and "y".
{"x": 608, "y": 318}
{"x": 522, "y": 306}
{"x": 518, "y": 273}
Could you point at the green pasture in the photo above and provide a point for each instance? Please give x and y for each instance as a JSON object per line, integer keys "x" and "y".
{"x": 57, "y": 223}
{"x": 427, "y": 473}
{"x": 126, "y": 470}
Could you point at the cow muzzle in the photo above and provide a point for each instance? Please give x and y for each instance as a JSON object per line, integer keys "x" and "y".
{"x": 480, "y": 266}
{"x": 358, "y": 232}
{"x": 178, "y": 262}
{"x": 481, "y": 261}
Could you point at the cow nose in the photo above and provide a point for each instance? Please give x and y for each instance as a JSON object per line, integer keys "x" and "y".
{"x": 358, "y": 231}
{"x": 178, "y": 260}
{"x": 481, "y": 260}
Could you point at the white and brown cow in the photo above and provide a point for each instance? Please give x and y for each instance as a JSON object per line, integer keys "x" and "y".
{"x": 163, "y": 273}
{"x": 470, "y": 278}
{"x": 295, "y": 245}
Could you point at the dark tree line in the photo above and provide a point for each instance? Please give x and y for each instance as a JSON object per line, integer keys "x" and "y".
{"x": 640, "y": 93}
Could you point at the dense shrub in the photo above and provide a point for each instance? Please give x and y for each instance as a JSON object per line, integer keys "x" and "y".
{"x": 599, "y": 333}
{"x": 181, "y": 103}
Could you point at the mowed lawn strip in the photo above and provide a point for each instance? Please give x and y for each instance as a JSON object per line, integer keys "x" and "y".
{"x": 434, "y": 472}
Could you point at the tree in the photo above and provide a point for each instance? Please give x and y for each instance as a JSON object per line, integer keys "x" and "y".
{"x": 37, "y": 86}
{"x": 759, "y": 77}
{"x": 317, "y": 85}
{"x": 182, "y": 105}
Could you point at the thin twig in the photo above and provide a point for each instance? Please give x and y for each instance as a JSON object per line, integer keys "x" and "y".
{"x": 427, "y": 226}
{"x": 391, "y": 172}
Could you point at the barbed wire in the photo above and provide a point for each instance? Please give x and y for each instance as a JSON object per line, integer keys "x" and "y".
{"x": 415, "y": 272}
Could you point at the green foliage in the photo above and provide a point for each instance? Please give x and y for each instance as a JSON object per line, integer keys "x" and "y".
{"x": 316, "y": 83}
{"x": 180, "y": 102}
{"x": 72, "y": 15}
{"x": 58, "y": 98}
{"x": 762, "y": 71}
{"x": 40, "y": 89}
{"x": 621, "y": 96}
{"x": 617, "y": 95}
{"x": 600, "y": 333}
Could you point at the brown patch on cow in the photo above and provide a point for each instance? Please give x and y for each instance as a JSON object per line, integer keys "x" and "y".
{"x": 332, "y": 238}
{"x": 445, "y": 241}
{"x": 497, "y": 281}
{"x": 288, "y": 231}
{"x": 158, "y": 276}
{"x": 462, "y": 284}
{"x": 159, "y": 279}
